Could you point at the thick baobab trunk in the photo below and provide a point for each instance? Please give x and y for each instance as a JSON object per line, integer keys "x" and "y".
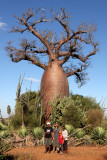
{"x": 54, "y": 81}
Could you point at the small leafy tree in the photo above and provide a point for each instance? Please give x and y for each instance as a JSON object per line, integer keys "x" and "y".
{"x": 73, "y": 114}
{"x": 95, "y": 117}
{"x": 67, "y": 111}
{"x": 30, "y": 101}
{"x": 27, "y": 109}
{"x": 76, "y": 110}
{"x": 87, "y": 102}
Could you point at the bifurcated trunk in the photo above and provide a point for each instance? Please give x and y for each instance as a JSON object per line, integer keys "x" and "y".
{"x": 54, "y": 82}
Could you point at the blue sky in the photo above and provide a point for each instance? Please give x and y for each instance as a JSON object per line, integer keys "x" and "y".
{"x": 93, "y": 11}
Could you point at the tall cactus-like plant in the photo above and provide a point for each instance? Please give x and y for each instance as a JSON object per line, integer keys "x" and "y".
{"x": 9, "y": 112}
{"x": 18, "y": 98}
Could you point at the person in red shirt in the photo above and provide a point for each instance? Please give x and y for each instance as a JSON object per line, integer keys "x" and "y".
{"x": 61, "y": 141}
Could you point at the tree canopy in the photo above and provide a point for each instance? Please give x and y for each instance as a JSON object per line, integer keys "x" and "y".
{"x": 66, "y": 47}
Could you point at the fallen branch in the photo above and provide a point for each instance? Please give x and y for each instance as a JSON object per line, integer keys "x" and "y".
{"x": 23, "y": 140}
{"x": 79, "y": 144}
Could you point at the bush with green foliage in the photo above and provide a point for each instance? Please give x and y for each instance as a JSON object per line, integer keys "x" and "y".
{"x": 87, "y": 102}
{"x": 104, "y": 124}
{"x": 67, "y": 111}
{"x": 79, "y": 133}
{"x": 4, "y": 148}
{"x": 95, "y": 117}
{"x": 99, "y": 135}
{"x": 69, "y": 128}
{"x": 88, "y": 140}
{"x": 38, "y": 133}
{"x": 74, "y": 110}
{"x": 23, "y": 132}
{"x": 73, "y": 114}
{"x": 4, "y": 134}
{"x": 3, "y": 127}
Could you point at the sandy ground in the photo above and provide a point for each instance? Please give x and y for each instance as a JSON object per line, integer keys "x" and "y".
{"x": 74, "y": 153}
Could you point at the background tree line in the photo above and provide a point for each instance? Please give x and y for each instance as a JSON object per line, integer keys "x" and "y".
{"x": 75, "y": 110}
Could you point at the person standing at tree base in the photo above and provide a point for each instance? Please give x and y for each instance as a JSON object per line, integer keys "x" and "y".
{"x": 48, "y": 137}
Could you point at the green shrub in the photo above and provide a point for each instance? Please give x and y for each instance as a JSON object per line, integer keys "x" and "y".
{"x": 69, "y": 128}
{"x": 23, "y": 132}
{"x": 3, "y": 127}
{"x": 99, "y": 135}
{"x": 5, "y": 122}
{"x": 79, "y": 133}
{"x": 88, "y": 139}
{"x": 95, "y": 117}
{"x": 4, "y": 148}
{"x": 4, "y": 134}
{"x": 38, "y": 133}
{"x": 104, "y": 125}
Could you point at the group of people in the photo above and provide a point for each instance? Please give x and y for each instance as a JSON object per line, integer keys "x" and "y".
{"x": 56, "y": 137}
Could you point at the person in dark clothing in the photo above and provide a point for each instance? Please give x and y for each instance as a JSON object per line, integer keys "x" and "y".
{"x": 48, "y": 137}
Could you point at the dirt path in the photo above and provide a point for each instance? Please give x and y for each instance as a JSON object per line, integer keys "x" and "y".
{"x": 75, "y": 153}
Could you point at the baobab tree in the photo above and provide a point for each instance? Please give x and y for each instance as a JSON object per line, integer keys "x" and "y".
{"x": 60, "y": 54}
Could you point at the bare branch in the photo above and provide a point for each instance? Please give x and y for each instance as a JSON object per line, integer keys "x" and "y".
{"x": 17, "y": 55}
{"x": 73, "y": 46}
{"x": 30, "y": 26}
{"x": 29, "y": 14}
{"x": 61, "y": 62}
{"x": 63, "y": 16}
{"x": 30, "y": 47}
{"x": 41, "y": 39}
{"x": 74, "y": 72}
{"x": 61, "y": 54}
{"x": 68, "y": 39}
{"x": 79, "y": 74}
{"x": 17, "y": 29}
{"x": 82, "y": 58}
{"x": 31, "y": 59}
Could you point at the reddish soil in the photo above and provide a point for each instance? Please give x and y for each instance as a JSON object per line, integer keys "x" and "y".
{"x": 74, "y": 153}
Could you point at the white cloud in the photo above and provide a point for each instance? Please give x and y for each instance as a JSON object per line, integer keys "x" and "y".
{"x": 3, "y": 25}
{"x": 32, "y": 79}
